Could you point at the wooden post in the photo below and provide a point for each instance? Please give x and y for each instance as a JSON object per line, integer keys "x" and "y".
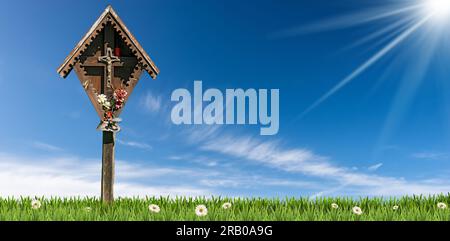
{"x": 108, "y": 167}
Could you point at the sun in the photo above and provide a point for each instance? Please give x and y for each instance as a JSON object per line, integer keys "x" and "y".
{"x": 438, "y": 9}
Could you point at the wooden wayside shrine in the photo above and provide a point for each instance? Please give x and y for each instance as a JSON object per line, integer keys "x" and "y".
{"x": 108, "y": 60}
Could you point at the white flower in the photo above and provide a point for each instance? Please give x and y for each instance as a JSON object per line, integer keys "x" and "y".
{"x": 357, "y": 210}
{"x": 201, "y": 210}
{"x": 154, "y": 208}
{"x": 107, "y": 105}
{"x": 395, "y": 207}
{"x": 118, "y": 120}
{"x": 334, "y": 206}
{"x": 102, "y": 99}
{"x": 442, "y": 205}
{"x": 87, "y": 209}
{"x": 35, "y": 204}
{"x": 226, "y": 205}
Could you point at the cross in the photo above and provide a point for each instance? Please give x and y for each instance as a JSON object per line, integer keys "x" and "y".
{"x": 100, "y": 70}
{"x": 105, "y": 84}
{"x": 107, "y": 62}
{"x": 109, "y": 59}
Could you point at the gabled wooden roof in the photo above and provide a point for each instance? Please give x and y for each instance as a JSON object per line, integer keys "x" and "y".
{"x": 109, "y": 15}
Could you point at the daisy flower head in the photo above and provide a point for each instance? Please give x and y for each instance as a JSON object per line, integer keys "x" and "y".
{"x": 107, "y": 105}
{"x": 395, "y": 207}
{"x": 35, "y": 204}
{"x": 154, "y": 208}
{"x": 357, "y": 210}
{"x": 102, "y": 98}
{"x": 334, "y": 206}
{"x": 226, "y": 205}
{"x": 87, "y": 209}
{"x": 442, "y": 205}
{"x": 201, "y": 210}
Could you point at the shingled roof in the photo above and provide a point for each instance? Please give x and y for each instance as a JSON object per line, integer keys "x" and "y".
{"x": 109, "y": 15}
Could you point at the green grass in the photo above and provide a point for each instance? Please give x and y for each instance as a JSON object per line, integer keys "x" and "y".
{"x": 296, "y": 209}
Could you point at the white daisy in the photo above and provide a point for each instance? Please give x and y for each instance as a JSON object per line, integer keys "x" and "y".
{"x": 87, "y": 209}
{"x": 154, "y": 208}
{"x": 357, "y": 210}
{"x": 334, "y": 206}
{"x": 107, "y": 105}
{"x": 35, "y": 204}
{"x": 226, "y": 205}
{"x": 102, "y": 99}
{"x": 395, "y": 207}
{"x": 201, "y": 210}
{"x": 442, "y": 205}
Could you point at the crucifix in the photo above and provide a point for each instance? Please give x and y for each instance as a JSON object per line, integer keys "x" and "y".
{"x": 109, "y": 59}
{"x": 108, "y": 62}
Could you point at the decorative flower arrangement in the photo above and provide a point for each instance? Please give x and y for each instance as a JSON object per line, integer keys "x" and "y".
{"x": 110, "y": 106}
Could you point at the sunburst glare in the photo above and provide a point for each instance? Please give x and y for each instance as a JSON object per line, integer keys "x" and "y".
{"x": 439, "y": 9}
{"x": 406, "y": 18}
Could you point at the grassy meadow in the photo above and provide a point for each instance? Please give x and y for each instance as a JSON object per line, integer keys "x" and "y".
{"x": 259, "y": 209}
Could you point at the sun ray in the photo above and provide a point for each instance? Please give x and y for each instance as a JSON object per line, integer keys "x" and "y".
{"x": 386, "y": 49}
{"x": 409, "y": 86}
{"x": 350, "y": 20}
{"x": 387, "y": 38}
{"x": 393, "y": 28}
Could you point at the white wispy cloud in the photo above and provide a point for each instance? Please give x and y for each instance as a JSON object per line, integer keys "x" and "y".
{"x": 66, "y": 176}
{"x": 306, "y": 162}
{"x": 222, "y": 174}
{"x": 375, "y": 167}
{"x": 197, "y": 159}
{"x": 140, "y": 145}
{"x": 46, "y": 147}
{"x": 199, "y": 133}
{"x": 246, "y": 181}
{"x": 151, "y": 102}
{"x": 431, "y": 155}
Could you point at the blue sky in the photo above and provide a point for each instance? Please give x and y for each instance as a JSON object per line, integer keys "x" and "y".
{"x": 385, "y": 132}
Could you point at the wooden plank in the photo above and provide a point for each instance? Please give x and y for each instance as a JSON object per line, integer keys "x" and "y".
{"x": 108, "y": 167}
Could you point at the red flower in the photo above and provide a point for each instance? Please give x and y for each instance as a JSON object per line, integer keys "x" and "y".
{"x": 108, "y": 115}
{"x": 120, "y": 95}
{"x": 119, "y": 105}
